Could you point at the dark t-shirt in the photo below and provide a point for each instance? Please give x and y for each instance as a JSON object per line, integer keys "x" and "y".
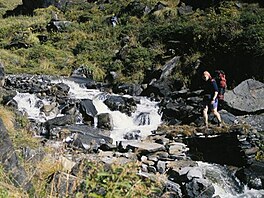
{"x": 210, "y": 87}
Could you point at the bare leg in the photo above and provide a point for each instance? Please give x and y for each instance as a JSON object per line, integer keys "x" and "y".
{"x": 205, "y": 115}
{"x": 217, "y": 115}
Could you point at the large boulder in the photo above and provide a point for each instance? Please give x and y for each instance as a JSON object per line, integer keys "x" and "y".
{"x": 160, "y": 82}
{"x": 10, "y": 162}
{"x": 247, "y": 97}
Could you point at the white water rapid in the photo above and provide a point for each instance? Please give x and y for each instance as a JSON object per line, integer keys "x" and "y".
{"x": 226, "y": 184}
{"x": 28, "y": 103}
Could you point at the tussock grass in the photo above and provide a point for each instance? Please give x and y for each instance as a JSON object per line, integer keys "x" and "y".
{"x": 8, "y": 118}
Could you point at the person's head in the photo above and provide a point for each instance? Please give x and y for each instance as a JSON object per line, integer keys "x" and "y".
{"x": 206, "y": 75}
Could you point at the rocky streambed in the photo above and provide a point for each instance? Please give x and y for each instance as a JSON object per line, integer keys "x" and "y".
{"x": 93, "y": 121}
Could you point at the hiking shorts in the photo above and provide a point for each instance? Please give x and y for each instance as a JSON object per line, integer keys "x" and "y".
{"x": 210, "y": 105}
{"x": 214, "y": 105}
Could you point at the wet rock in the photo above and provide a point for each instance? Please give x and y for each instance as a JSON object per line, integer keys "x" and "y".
{"x": 132, "y": 135}
{"x": 199, "y": 187}
{"x": 51, "y": 109}
{"x": 60, "y": 89}
{"x": 83, "y": 81}
{"x": 105, "y": 121}
{"x": 59, "y": 121}
{"x": 88, "y": 110}
{"x": 143, "y": 119}
{"x": 253, "y": 175}
{"x": 122, "y": 104}
{"x": 88, "y": 138}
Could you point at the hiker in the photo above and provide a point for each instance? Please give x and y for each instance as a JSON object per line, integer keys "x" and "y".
{"x": 210, "y": 101}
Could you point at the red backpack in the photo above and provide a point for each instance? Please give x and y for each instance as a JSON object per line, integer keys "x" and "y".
{"x": 220, "y": 79}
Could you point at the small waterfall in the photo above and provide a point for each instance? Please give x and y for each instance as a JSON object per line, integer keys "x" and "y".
{"x": 226, "y": 184}
{"x": 123, "y": 123}
{"x": 30, "y": 105}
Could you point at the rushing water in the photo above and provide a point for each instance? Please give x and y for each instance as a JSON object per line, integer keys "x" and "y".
{"x": 226, "y": 185}
{"x": 28, "y": 103}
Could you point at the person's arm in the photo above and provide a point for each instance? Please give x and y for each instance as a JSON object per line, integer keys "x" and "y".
{"x": 215, "y": 90}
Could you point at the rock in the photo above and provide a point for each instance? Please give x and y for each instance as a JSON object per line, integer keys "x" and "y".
{"x": 105, "y": 121}
{"x": 132, "y": 135}
{"x": 199, "y": 187}
{"x": 185, "y": 9}
{"x": 88, "y": 110}
{"x": 191, "y": 172}
{"x": 130, "y": 89}
{"x": 135, "y": 8}
{"x": 60, "y": 121}
{"x": 63, "y": 184}
{"x": 146, "y": 147}
{"x": 253, "y": 175}
{"x": 60, "y": 89}
{"x": 51, "y": 109}
{"x": 58, "y": 26}
{"x": 247, "y": 97}
{"x": 67, "y": 164}
{"x": 10, "y": 162}
{"x": 177, "y": 148}
{"x": 87, "y": 137}
{"x": 142, "y": 119}
{"x": 122, "y": 104}
{"x": 228, "y": 118}
{"x": 256, "y": 121}
{"x": 160, "y": 82}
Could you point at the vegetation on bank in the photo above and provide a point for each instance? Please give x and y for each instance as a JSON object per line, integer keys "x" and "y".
{"x": 228, "y": 35}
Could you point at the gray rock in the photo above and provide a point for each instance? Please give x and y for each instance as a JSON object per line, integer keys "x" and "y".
{"x": 246, "y": 97}
{"x": 146, "y": 146}
{"x": 64, "y": 184}
{"x": 2, "y": 75}
{"x": 161, "y": 167}
{"x": 200, "y": 188}
{"x": 256, "y": 121}
{"x": 105, "y": 121}
{"x": 10, "y": 163}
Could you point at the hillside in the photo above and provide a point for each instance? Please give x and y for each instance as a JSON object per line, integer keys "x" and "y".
{"x": 224, "y": 35}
